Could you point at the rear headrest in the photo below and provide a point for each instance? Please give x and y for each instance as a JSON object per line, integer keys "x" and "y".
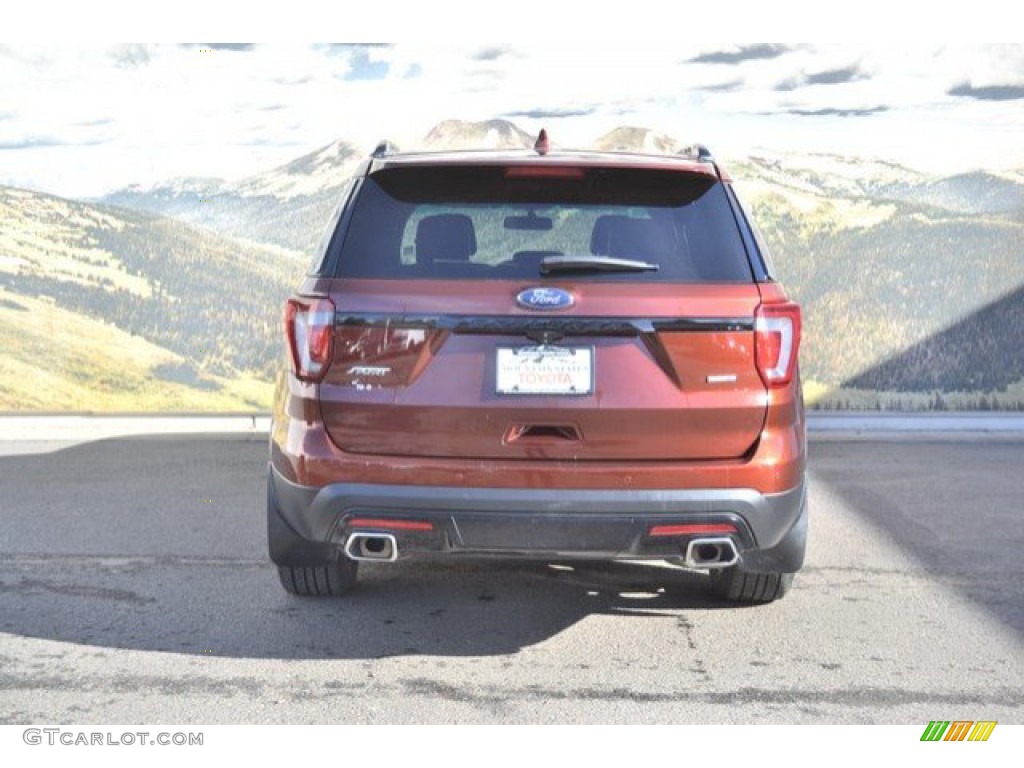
{"x": 626, "y": 237}
{"x": 446, "y": 236}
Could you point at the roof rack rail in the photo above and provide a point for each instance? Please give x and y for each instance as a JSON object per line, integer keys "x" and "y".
{"x": 384, "y": 148}
{"x": 698, "y": 152}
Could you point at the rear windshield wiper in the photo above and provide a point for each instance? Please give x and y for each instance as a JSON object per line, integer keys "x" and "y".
{"x": 553, "y": 264}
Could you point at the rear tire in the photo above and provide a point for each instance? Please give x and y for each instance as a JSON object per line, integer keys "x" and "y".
{"x": 739, "y": 586}
{"x": 306, "y": 568}
{"x": 330, "y": 580}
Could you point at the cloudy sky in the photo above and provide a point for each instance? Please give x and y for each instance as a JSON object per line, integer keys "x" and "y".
{"x": 79, "y": 120}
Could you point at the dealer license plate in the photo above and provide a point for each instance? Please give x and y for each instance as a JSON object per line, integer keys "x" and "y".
{"x": 545, "y": 370}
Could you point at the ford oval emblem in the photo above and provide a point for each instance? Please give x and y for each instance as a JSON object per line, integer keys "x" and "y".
{"x": 545, "y": 298}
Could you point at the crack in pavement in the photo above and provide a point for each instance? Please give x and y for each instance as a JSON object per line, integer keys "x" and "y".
{"x": 497, "y": 699}
{"x": 28, "y": 586}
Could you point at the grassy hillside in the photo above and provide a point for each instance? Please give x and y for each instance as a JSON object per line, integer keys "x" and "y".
{"x": 108, "y": 309}
{"x": 59, "y": 360}
{"x": 884, "y": 281}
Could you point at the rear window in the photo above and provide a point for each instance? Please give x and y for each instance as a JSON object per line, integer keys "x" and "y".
{"x": 501, "y": 222}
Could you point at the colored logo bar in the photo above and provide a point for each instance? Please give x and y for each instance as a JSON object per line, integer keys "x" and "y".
{"x": 958, "y": 730}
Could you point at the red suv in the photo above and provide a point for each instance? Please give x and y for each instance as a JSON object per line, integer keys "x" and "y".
{"x": 538, "y": 354}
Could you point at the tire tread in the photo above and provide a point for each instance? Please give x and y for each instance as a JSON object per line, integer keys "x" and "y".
{"x": 328, "y": 580}
{"x": 738, "y": 586}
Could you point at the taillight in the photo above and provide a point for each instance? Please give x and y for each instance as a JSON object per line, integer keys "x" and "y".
{"x": 776, "y": 342}
{"x": 309, "y": 326}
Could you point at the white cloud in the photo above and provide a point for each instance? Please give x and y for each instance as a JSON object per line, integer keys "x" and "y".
{"x": 106, "y": 116}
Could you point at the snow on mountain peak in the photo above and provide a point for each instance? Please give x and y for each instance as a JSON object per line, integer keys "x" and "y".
{"x": 486, "y": 134}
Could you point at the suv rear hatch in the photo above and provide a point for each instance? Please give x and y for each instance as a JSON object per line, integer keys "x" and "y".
{"x": 542, "y": 311}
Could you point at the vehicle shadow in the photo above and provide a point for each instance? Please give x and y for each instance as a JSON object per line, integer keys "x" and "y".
{"x": 158, "y": 544}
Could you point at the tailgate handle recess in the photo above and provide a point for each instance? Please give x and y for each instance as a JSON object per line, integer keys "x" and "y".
{"x": 543, "y": 433}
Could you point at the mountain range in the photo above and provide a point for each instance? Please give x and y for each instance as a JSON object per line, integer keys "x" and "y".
{"x": 884, "y": 259}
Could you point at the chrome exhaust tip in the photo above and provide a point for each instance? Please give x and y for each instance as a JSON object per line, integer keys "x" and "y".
{"x": 711, "y": 553}
{"x": 379, "y": 547}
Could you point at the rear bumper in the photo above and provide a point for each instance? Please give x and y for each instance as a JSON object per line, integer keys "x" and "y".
{"x": 770, "y": 529}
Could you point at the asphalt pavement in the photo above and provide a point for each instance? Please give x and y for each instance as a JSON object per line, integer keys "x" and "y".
{"x": 134, "y": 588}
